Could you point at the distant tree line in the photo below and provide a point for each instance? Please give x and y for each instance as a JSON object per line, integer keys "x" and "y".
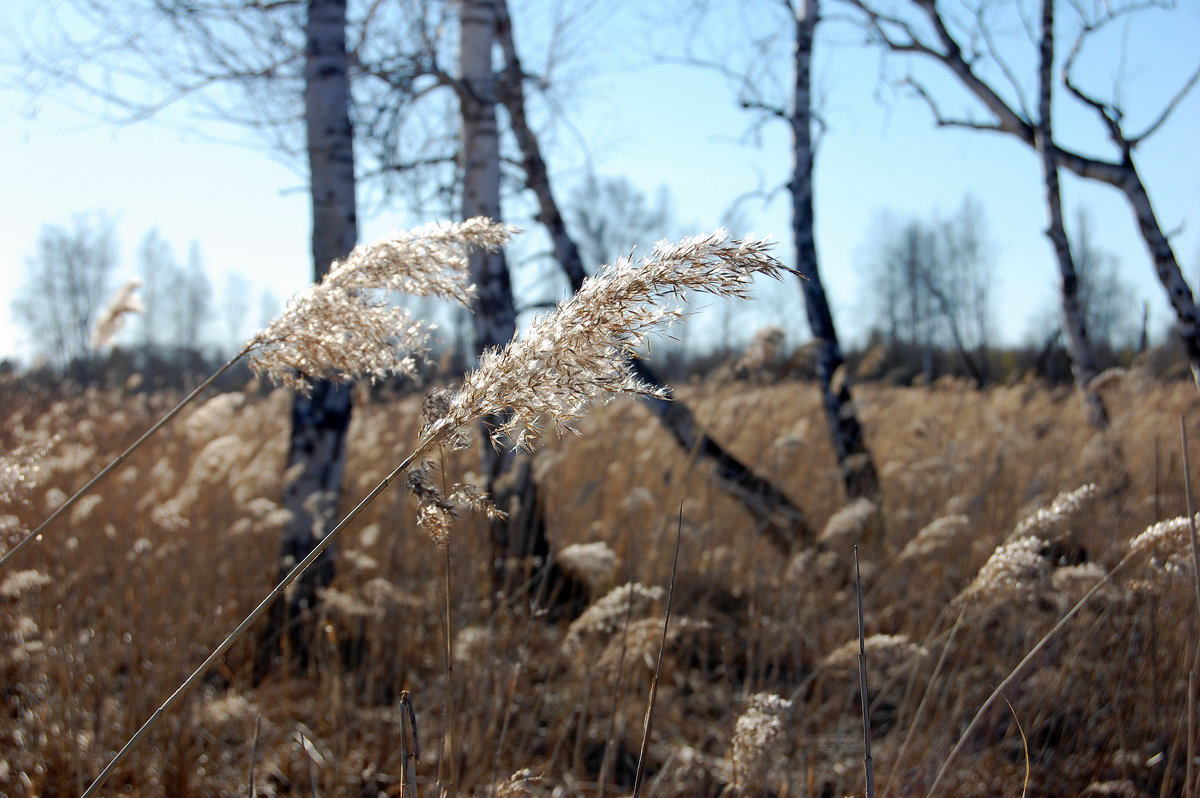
{"x": 930, "y": 292}
{"x": 72, "y": 276}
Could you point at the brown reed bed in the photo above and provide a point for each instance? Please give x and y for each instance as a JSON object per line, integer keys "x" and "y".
{"x": 963, "y": 576}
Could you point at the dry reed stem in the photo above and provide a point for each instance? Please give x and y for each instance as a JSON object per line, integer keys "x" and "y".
{"x": 640, "y": 773}
{"x": 1189, "y": 784}
{"x": 410, "y": 752}
{"x": 1024, "y": 746}
{"x": 864, "y": 692}
{"x": 253, "y": 757}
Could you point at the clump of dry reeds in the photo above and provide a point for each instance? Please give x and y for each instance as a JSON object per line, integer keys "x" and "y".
{"x": 566, "y": 362}
{"x": 959, "y": 590}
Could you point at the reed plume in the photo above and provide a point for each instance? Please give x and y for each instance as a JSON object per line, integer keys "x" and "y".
{"x": 567, "y": 361}
{"x": 112, "y": 319}
{"x": 578, "y": 355}
{"x": 344, "y": 327}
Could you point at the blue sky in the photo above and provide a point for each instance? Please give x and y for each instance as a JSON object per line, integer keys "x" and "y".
{"x": 659, "y": 125}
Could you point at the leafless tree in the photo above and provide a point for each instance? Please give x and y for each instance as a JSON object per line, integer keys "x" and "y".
{"x": 753, "y": 69}
{"x": 610, "y": 216}
{"x": 156, "y": 264}
{"x": 1075, "y": 329}
{"x": 282, "y": 68}
{"x": 966, "y": 292}
{"x": 964, "y": 41}
{"x": 1106, "y": 301}
{"x": 67, "y": 285}
{"x": 781, "y": 520}
{"x": 186, "y": 302}
{"x": 932, "y": 285}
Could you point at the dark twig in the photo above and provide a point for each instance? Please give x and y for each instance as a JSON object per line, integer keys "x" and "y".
{"x": 641, "y": 765}
{"x": 254, "y": 755}
{"x": 868, "y": 763}
{"x": 410, "y": 750}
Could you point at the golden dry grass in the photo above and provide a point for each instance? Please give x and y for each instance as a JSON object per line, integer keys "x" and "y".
{"x": 113, "y": 608}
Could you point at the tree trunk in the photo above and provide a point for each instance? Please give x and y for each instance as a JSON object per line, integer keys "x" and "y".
{"x": 854, "y": 460}
{"x": 1083, "y": 363}
{"x": 1122, "y": 174}
{"x": 495, "y": 316}
{"x": 523, "y": 534}
{"x": 779, "y": 518}
{"x": 317, "y": 454}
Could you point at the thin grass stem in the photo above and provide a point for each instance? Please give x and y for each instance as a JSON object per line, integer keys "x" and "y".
{"x": 254, "y": 615}
{"x": 79, "y": 494}
{"x": 864, "y": 692}
{"x": 640, "y": 774}
{"x": 962, "y": 738}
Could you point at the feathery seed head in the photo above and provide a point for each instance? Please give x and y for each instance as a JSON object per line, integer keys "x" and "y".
{"x": 436, "y": 511}
{"x": 18, "y": 470}
{"x": 112, "y": 319}
{"x": 760, "y": 742}
{"x": 1014, "y": 573}
{"x": 608, "y": 615}
{"x": 1172, "y": 536}
{"x": 1046, "y": 522}
{"x": 594, "y": 563}
{"x": 577, "y": 356}
{"x": 343, "y": 327}
{"x": 19, "y": 583}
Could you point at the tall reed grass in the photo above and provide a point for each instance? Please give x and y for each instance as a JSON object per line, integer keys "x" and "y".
{"x": 982, "y": 542}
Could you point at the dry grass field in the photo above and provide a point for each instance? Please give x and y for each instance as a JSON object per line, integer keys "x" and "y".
{"x": 970, "y": 558}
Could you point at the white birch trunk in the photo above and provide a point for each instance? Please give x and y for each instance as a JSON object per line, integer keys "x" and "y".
{"x": 1083, "y": 362}
{"x": 495, "y": 316}
{"x": 858, "y": 471}
{"x": 317, "y": 454}
{"x": 779, "y": 518}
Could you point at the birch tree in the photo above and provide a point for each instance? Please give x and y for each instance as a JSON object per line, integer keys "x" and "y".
{"x": 1083, "y": 360}
{"x": 858, "y": 470}
{"x": 285, "y": 61}
{"x": 963, "y": 43}
{"x": 792, "y": 24}
{"x": 67, "y": 285}
{"x": 321, "y": 418}
{"x": 781, "y": 520}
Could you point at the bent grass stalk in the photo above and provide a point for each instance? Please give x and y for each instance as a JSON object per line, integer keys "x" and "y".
{"x": 1016, "y": 671}
{"x": 567, "y": 361}
{"x": 254, "y": 615}
{"x": 33, "y": 535}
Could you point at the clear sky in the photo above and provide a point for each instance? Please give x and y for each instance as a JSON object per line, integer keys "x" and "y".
{"x": 659, "y": 125}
